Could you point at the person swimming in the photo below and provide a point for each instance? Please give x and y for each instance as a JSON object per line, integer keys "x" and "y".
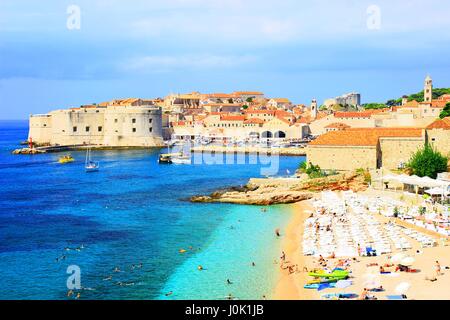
{"x": 200, "y": 268}
{"x": 229, "y": 281}
{"x": 169, "y": 293}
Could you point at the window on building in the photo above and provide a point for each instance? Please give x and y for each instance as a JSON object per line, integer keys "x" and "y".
{"x": 150, "y": 120}
{"x": 87, "y": 129}
{"x": 133, "y": 120}
{"x": 100, "y": 129}
{"x": 134, "y": 129}
{"x": 433, "y": 139}
{"x": 151, "y": 129}
{"x": 75, "y": 129}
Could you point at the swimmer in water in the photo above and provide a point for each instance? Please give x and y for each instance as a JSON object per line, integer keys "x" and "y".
{"x": 107, "y": 278}
{"x": 253, "y": 264}
{"x": 229, "y": 282}
{"x": 69, "y": 293}
{"x": 200, "y": 268}
{"x": 117, "y": 269}
{"x": 169, "y": 293}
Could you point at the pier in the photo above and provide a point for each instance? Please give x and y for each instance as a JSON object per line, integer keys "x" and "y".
{"x": 293, "y": 151}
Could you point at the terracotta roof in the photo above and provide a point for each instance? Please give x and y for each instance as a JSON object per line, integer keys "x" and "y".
{"x": 337, "y": 125}
{"x": 254, "y": 120}
{"x": 270, "y": 112}
{"x": 363, "y": 114}
{"x": 363, "y": 136}
{"x": 445, "y": 97}
{"x": 440, "y": 124}
{"x": 232, "y": 118}
{"x": 438, "y": 103}
{"x": 282, "y": 113}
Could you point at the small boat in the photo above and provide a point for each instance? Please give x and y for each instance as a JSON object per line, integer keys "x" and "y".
{"x": 165, "y": 158}
{"x": 181, "y": 159}
{"x": 91, "y": 166}
{"x": 66, "y": 159}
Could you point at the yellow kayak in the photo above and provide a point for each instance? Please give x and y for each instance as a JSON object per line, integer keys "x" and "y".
{"x": 66, "y": 159}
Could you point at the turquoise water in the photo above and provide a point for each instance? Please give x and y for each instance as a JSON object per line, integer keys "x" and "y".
{"x": 132, "y": 211}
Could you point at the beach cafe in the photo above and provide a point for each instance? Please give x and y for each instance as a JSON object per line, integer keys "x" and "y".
{"x": 433, "y": 187}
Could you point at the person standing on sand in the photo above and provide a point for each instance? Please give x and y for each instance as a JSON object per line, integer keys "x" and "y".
{"x": 437, "y": 267}
{"x": 283, "y": 256}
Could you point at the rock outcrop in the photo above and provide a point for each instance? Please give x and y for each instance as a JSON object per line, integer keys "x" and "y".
{"x": 283, "y": 191}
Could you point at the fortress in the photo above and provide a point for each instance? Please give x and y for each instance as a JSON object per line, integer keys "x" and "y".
{"x": 119, "y": 123}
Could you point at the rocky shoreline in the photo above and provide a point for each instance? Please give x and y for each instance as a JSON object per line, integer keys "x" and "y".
{"x": 273, "y": 191}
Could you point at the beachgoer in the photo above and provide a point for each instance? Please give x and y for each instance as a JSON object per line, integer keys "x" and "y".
{"x": 229, "y": 282}
{"x": 200, "y": 268}
{"x": 253, "y": 264}
{"x": 437, "y": 267}
{"x": 169, "y": 293}
{"x": 364, "y": 294}
{"x": 283, "y": 256}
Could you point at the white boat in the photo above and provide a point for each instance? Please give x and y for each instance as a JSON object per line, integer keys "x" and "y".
{"x": 181, "y": 159}
{"x": 91, "y": 166}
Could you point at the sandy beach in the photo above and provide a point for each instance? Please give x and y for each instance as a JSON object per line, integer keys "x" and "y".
{"x": 290, "y": 286}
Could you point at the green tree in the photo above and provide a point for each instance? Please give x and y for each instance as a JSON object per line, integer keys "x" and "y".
{"x": 445, "y": 112}
{"x": 427, "y": 162}
{"x": 249, "y": 100}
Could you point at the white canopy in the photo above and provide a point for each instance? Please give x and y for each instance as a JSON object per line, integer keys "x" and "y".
{"x": 437, "y": 192}
{"x": 425, "y": 182}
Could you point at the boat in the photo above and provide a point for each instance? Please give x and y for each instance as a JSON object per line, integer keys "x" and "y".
{"x": 66, "y": 159}
{"x": 181, "y": 159}
{"x": 165, "y": 158}
{"x": 91, "y": 166}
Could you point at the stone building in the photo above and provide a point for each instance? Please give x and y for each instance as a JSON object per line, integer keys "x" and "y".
{"x": 367, "y": 148}
{"x": 114, "y": 125}
{"x": 374, "y": 148}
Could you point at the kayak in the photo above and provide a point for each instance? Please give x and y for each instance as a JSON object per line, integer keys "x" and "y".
{"x": 337, "y": 273}
{"x": 326, "y": 280}
{"x": 317, "y": 285}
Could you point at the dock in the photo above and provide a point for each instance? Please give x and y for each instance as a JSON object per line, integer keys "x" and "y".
{"x": 293, "y": 151}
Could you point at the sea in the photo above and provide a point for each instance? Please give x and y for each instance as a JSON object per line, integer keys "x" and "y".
{"x": 128, "y": 231}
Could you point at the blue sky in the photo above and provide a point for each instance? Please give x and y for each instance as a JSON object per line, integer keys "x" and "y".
{"x": 286, "y": 48}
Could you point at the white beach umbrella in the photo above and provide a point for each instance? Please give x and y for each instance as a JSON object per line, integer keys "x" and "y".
{"x": 408, "y": 261}
{"x": 397, "y": 258}
{"x": 402, "y": 288}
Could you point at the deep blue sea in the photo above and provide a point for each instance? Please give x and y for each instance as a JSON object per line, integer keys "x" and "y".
{"x": 132, "y": 215}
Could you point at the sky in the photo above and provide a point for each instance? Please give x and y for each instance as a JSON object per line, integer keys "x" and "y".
{"x": 57, "y": 54}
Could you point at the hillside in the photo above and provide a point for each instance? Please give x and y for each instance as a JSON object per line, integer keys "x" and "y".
{"x": 437, "y": 92}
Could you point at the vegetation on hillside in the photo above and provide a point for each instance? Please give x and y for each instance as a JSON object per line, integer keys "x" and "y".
{"x": 427, "y": 162}
{"x": 371, "y": 106}
{"x": 437, "y": 92}
{"x": 445, "y": 112}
